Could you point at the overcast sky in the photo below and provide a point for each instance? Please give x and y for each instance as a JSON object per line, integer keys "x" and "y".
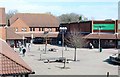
{"x": 93, "y": 9}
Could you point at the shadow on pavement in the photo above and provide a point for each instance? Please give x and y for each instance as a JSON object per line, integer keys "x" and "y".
{"x": 62, "y": 67}
{"x": 110, "y": 62}
{"x": 31, "y": 55}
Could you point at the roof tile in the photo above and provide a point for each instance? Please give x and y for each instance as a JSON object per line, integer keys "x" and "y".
{"x": 10, "y": 62}
{"x": 36, "y": 20}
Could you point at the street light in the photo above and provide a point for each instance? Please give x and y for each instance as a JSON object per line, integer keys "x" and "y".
{"x": 99, "y": 27}
{"x": 63, "y": 29}
{"x": 32, "y": 38}
{"x": 99, "y": 39}
{"x": 117, "y": 43}
{"x": 46, "y": 34}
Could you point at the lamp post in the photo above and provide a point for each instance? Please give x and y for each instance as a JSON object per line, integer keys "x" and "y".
{"x": 32, "y": 38}
{"x": 99, "y": 39}
{"x": 46, "y": 33}
{"x": 117, "y": 43}
{"x": 63, "y": 29}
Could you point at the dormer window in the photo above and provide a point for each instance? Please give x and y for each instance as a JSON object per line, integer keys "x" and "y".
{"x": 24, "y": 29}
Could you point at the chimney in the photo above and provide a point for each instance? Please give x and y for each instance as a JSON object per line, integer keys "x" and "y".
{"x": 2, "y": 23}
{"x": 2, "y": 16}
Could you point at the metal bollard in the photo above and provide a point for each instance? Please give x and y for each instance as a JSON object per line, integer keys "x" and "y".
{"x": 107, "y": 74}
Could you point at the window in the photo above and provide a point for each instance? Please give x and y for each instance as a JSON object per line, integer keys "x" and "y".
{"x": 24, "y": 29}
{"x": 16, "y": 29}
{"x": 50, "y": 30}
{"x": 33, "y": 29}
{"x": 30, "y": 29}
{"x": 57, "y": 29}
{"x": 39, "y": 29}
{"x": 42, "y": 29}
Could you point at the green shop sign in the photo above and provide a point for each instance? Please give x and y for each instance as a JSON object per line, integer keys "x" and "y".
{"x": 104, "y": 26}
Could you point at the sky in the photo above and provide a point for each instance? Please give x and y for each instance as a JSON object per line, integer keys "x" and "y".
{"x": 92, "y": 9}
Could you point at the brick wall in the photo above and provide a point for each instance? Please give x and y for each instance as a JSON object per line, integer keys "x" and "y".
{"x": 3, "y": 33}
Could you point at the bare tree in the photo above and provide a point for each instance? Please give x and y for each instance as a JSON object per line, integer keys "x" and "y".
{"x": 45, "y": 38}
{"x": 75, "y": 40}
{"x": 9, "y": 15}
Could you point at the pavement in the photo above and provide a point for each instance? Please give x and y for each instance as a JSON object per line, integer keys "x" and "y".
{"x": 89, "y": 61}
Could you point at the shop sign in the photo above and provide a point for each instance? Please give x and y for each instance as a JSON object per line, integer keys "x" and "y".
{"x": 104, "y": 26}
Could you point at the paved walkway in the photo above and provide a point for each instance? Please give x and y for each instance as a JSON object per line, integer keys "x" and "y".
{"x": 90, "y": 61}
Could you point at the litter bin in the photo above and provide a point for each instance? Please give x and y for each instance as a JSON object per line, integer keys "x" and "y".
{"x": 20, "y": 49}
{"x": 100, "y": 49}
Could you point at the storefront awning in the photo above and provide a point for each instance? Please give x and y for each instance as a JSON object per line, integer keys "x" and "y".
{"x": 101, "y": 36}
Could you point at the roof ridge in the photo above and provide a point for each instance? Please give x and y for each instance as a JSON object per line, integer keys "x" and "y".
{"x": 3, "y": 40}
{"x": 36, "y": 13}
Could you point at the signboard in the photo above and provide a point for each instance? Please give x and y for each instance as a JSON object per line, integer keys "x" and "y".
{"x": 104, "y": 26}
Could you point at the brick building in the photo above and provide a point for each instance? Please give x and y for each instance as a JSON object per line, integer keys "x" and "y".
{"x": 34, "y": 26}
{"x": 105, "y": 30}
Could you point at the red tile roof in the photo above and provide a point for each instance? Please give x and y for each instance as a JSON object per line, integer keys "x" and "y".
{"x": 12, "y": 35}
{"x": 36, "y": 20}
{"x": 10, "y": 62}
{"x": 102, "y": 36}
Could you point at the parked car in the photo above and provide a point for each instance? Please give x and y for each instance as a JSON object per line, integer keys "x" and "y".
{"x": 115, "y": 58}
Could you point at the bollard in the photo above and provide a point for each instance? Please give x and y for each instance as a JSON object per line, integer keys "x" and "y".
{"x": 65, "y": 47}
{"x": 64, "y": 63}
{"x": 100, "y": 49}
{"x": 40, "y": 57}
{"x": 107, "y": 74}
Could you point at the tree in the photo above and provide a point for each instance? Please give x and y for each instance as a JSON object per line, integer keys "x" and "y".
{"x": 72, "y": 17}
{"x": 75, "y": 40}
{"x": 45, "y": 38}
{"x": 9, "y": 15}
